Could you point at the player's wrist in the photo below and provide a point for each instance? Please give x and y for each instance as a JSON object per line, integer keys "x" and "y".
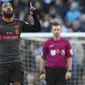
{"x": 41, "y": 72}
{"x": 69, "y": 71}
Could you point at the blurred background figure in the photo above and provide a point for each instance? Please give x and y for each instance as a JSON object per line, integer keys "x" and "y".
{"x": 73, "y": 13}
{"x": 82, "y": 23}
{"x": 76, "y": 26}
{"x": 30, "y": 79}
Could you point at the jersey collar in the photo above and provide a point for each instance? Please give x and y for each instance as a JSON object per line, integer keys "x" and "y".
{"x": 56, "y": 40}
{"x": 11, "y": 19}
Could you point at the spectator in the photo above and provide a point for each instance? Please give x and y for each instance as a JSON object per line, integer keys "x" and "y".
{"x": 46, "y": 5}
{"x": 62, "y": 7}
{"x": 82, "y": 24}
{"x": 73, "y": 13}
{"x": 52, "y": 12}
{"x": 30, "y": 79}
{"x": 76, "y": 26}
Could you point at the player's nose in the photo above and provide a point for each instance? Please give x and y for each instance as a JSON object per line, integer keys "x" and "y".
{"x": 9, "y": 8}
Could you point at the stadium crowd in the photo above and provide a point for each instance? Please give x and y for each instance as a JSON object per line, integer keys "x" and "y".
{"x": 69, "y": 13}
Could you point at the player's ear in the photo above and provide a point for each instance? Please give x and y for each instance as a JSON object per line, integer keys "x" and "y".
{"x": 60, "y": 29}
{"x": 1, "y": 12}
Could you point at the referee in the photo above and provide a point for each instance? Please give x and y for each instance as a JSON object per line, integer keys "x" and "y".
{"x": 58, "y": 53}
{"x": 11, "y": 67}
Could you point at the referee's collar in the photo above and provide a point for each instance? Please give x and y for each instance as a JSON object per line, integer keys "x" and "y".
{"x": 10, "y": 20}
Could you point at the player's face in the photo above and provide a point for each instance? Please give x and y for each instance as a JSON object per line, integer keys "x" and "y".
{"x": 56, "y": 30}
{"x": 7, "y": 10}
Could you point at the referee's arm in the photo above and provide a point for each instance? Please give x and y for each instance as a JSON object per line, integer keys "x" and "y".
{"x": 69, "y": 71}
{"x": 69, "y": 56}
{"x": 42, "y": 66}
{"x": 69, "y": 63}
{"x": 43, "y": 59}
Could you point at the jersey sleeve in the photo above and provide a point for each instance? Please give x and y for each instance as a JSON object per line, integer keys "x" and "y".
{"x": 44, "y": 51}
{"x": 36, "y": 27}
{"x": 69, "y": 51}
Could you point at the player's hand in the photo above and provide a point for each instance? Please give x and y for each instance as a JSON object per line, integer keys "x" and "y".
{"x": 42, "y": 76}
{"x": 68, "y": 75}
{"x": 32, "y": 9}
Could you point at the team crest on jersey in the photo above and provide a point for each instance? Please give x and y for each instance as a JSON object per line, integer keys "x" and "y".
{"x": 62, "y": 52}
{"x": 16, "y": 26}
{"x": 17, "y": 31}
{"x": 53, "y": 52}
{"x": 57, "y": 51}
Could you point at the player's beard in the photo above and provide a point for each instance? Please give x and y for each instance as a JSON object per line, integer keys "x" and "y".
{"x": 57, "y": 36}
{"x": 8, "y": 15}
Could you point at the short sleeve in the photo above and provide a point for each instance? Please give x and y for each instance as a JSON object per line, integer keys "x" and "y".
{"x": 44, "y": 51}
{"x": 69, "y": 49}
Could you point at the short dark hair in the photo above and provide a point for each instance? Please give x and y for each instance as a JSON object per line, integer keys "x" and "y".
{"x": 5, "y": 4}
{"x": 55, "y": 24}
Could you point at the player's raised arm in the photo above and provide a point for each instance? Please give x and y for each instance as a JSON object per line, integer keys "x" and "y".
{"x": 26, "y": 27}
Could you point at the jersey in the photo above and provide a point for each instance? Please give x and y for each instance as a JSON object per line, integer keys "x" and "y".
{"x": 56, "y": 52}
{"x": 10, "y": 38}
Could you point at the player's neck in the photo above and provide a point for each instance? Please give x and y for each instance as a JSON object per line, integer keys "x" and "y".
{"x": 7, "y": 19}
{"x": 56, "y": 38}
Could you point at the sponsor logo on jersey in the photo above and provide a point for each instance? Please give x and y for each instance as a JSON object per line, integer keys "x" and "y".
{"x": 57, "y": 51}
{"x": 16, "y": 26}
{"x": 62, "y": 52}
{"x": 17, "y": 31}
{"x": 71, "y": 51}
{"x": 53, "y": 52}
{"x": 8, "y": 37}
{"x": 51, "y": 45}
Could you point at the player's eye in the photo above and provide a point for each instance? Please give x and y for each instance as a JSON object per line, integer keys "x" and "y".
{"x": 58, "y": 29}
{"x": 54, "y": 29}
{"x": 10, "y": 6}
{"x": 5, "y": 6}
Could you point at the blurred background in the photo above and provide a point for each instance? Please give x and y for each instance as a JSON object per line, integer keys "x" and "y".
{"x": 70, "y": 14}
